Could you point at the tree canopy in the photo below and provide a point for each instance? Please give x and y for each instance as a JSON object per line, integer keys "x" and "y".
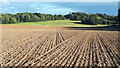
{"x": 119, "y": 15}
{"x": 92, "y": 19}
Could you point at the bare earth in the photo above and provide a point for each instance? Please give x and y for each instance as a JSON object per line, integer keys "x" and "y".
{"x": 58, "y": 46}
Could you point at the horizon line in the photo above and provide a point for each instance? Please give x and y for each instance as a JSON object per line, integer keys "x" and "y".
{"x": 59, "y": 14}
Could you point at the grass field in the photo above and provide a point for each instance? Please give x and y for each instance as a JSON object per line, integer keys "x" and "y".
{"x": 58, "y": 23}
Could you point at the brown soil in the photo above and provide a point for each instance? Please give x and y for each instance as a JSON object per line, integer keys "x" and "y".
{"x": 58, "y": 46}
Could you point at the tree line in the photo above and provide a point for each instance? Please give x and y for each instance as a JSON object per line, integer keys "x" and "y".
{"x": 119, "y": 16}
{"x": 28, "y": 17}
{"x": 92, "y": 19}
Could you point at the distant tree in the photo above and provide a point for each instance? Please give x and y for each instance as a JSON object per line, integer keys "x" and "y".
{"x": 12, "y": 20}
{"x": 34, "y": 18}
{"x": 56, "y": 17}
{"x": 41, "y": 16}
{"x": 68, "y": 16}
{"x": 27, "y": 18}
{"x": 97, "y": 21}
{"x": 48, "y": 17}
{"x": 85, "y": 18}
{"x": 119, "y": 16}
{"x": 5, "y": 19}
{"x": 61, "y": 17}
{"x": 76, "y": 17}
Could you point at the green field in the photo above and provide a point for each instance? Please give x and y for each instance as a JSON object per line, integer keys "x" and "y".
{"x": 57, "y": 23}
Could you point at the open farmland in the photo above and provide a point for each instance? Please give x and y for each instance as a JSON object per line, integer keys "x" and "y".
{"x": 57, "y": 23}
{"x": 58, "y": 46}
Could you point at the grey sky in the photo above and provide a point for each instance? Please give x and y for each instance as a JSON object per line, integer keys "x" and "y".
{"x": 59, "y": 0}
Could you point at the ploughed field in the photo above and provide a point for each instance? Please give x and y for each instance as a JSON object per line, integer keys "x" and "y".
{"x": 58, "y": 46}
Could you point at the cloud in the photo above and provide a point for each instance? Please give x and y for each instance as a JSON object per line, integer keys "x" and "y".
{"x": 59, "y": 8}
{"x": 41, "y": 7}
{"x": 51, "y": 9}
{"x": 62, "y": 0}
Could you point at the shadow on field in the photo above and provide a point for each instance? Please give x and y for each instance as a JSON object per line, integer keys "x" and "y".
{"x": 103, "y": 28}
{"x": 76, "y": 22}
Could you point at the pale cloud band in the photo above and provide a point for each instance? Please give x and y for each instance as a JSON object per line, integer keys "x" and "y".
{"x": 59, "y": 0}
{"x": 59, "y": 7}
{"x": 40, "y": 7}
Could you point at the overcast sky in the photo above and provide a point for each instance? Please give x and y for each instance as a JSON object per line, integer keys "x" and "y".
{"x": 110, "y": 8}
{"x": 59, "y": 0}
